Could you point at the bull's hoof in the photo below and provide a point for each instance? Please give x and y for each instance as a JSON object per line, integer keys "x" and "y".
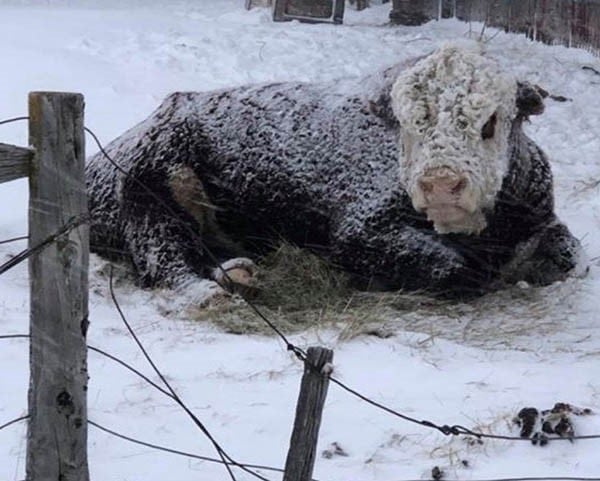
{"x": 237, "y": 276}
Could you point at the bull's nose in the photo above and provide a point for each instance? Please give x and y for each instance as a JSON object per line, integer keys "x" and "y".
{"x": 448, "y": 185}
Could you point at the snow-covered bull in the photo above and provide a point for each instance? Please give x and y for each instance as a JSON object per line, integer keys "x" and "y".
{"x": 419, "y": 177}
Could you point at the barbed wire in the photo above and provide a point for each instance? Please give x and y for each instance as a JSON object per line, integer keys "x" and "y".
{"x": 444, "y": 429}
{"x": 447, "y": 429}
{"x": 228, "y": 461}
{"x": 14, "y": 239}
{"x": 130, "y": 368}
{"x": 71, "y": 224}
{"x": 157, "y": 387}
{"x": 170, "y": 395}
{"x": 269, "y": 468}
{"x": 279, "y": 470}
{"x": 456, "y": 429}
{"x": 181, "y": 453}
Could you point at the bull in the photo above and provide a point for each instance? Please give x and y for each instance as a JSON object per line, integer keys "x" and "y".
{"x": 419, "y": 177}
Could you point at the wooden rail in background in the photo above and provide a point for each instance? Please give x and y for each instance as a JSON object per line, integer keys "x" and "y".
{"x": 14, "y": 162}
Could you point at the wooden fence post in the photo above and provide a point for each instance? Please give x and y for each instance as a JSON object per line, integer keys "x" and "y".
{"x": 57, "y": 431}
{"x": 309, "y": 410}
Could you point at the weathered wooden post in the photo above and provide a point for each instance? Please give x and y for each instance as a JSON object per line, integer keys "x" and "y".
{"x": 57, "y": 432}
{"x": 309, "y": 410}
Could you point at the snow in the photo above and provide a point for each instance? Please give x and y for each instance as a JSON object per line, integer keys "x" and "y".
{"x": 475, "y": 366}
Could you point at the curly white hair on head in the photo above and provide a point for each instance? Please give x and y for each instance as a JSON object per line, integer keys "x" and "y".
{"x": 455, "y": 109}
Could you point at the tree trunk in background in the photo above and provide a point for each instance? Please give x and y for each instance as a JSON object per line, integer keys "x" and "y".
{"x": 258, "y": 3}
{"x": 575, "y": 23}
{"x": 360, "y": 4}
{"x": 410, "y": 12}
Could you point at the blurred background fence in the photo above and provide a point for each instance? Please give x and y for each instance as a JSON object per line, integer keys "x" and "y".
{"x": 573, "y": 23}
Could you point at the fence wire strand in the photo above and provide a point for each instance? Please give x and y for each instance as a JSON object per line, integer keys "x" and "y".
{"x": 228, "y": 461}
{"x": 14, "y": 119}
{"x": 455, "y": 429}
{"x": 14, "y": 421}
{"x": 279, "y": 470}
{"x": 444, "y": 429}
{"x": 181, "y": 453}
{"x": 130, "y": 368}
{"x": 25, "y": 254}
{"x": 14, "y": 239}
{"x": 15, "y": 336}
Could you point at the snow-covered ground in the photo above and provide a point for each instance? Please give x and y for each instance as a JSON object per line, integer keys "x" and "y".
{"x": 476, "y": 367}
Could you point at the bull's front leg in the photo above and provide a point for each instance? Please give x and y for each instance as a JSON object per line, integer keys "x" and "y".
{"x": 163, "y": 251}
{"x": 171, "y": 232}
{"x": 549, "y": 255}
{"x": 402, "y": 257}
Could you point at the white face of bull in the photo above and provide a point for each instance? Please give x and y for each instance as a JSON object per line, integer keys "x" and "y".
{"x": 455, "y": 110}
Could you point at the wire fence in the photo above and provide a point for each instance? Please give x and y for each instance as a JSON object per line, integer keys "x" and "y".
{"x": 14, "y": 239}
{"x": 223, "y": 457}
{"x": 12, "y": 120}
{"x": 25, "y": 254}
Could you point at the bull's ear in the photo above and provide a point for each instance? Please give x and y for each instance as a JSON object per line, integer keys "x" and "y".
{"x": 530, "y": 99}
{"x": 382, "y": 107}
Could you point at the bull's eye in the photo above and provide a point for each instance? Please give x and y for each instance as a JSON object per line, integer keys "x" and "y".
{"x": 487, "y": 131}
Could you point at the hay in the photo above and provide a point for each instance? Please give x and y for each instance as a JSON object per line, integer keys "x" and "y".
{"x": 299, "y": 291}
{"x": 295, "y": 288}
{"x": 292, "y": 279}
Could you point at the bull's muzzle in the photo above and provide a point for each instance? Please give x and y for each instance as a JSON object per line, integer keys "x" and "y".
{"x": 448, "y": 199}
{"x": 442, "y": 189}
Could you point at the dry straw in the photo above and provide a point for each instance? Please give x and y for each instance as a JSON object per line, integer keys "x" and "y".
{"x": 300, "y": 290}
